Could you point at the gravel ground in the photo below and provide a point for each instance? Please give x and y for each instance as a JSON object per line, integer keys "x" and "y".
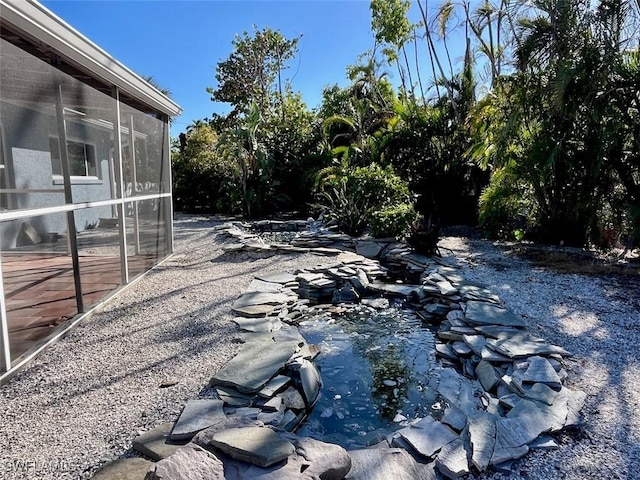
{"x": 82, "y": 401}
{"x": 598, "y": 320}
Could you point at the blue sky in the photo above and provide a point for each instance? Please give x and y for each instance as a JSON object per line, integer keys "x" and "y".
{"x": 179, "y": 42}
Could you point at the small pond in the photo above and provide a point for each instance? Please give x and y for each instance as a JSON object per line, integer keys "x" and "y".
{"x": 378, "y": 370}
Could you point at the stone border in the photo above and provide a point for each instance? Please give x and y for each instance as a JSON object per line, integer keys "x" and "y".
{"x": 503, "y": 386}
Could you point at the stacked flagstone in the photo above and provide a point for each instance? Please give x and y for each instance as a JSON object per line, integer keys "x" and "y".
{"x": 504, "y": 386}
{"x": 501, "y": 387}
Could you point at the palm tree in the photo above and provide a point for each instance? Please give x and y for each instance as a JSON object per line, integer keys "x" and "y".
{"x": 152, "y": 81}
{"x": 564, "y": 106}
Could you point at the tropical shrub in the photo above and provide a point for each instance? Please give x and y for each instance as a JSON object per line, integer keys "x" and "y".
{"x": 506, "y": 204}
{"x": 350, "y": 196}
{"x": 201, "y": 175}
{"x": 394, "y": 221}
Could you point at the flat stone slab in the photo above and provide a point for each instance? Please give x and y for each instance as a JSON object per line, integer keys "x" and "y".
{"x": 368, "y": 249}
{"x": 461, "y": 348}
{"x": 539, "y": 417}
{"x": 487, "y": 375}
{"x": 197, "y": 415}
{"x": 452, "y": 460}
{"x": 482, "y": 434}
{"x": 541, "y": 371}
{"x": 398, "y": 289}
{"x": 541, "y": 393}
{"x": 124, "y": 469}
{"x": 575, "y": 402}
{"x": 232, "y": 397}
{"x": 191, "y": 462}
{"x": 311, "y": 277}
{"x": 483, "y": 313}
{"x": 257, "y": 285}
{"x": 252, "y": 311}
{"x": 156, "y": 443}
{"x": 255, "y": 365}
{"x": 350, "y": 257}
{"x": 260, "y": 298}
{"x": 312, "y": 459}
{"x": 260, "y": 325}
{"x": 446, "y": 288}
{"x": 510, "y": 442}
{"x": 387, "y": 464}
{"x": 455, "y": 418}
{"x": 293, "y": 399}
{"x": 377, "y": 303}
{"x": 256, "y": 445}
{"x": 520, "y": 346}
{"x": 475, "y": 342}
{"x": 428, "y": 436}
{"x": 274, "y": 385}
{"x": 282, "y": 278}
{"x": 497, "y": 331}
{"x": 203, "y": 438}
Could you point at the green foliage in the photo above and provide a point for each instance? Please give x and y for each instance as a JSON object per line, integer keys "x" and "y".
{"x": 293, "y": 140}
{"x": 351, "y": 196}
{"x": 355, "y": 119}
{"x": 270, "y": 136}
{"x": 506, "y": 204}
{"x": 253, "y": 71}
{"x": 567, "y": 120}
{"x": 427, "y": 147}
{"x": 394, "y": 221}
{"x": 348, "y": 210}
{"x": 202, "y": 177}
{"x": 559, "y": 135}
{"x": 253, "y": 162}
{"x": 389, "y": 21}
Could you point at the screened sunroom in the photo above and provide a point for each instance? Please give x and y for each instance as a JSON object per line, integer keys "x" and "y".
{"x": 85, "y": 179}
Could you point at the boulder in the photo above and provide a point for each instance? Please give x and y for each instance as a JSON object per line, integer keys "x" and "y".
{"x": 188, "y": 463}
{"x": 368, "y": 249}
{"x": 123, "y": 469}
{"x": 345, "y": 294}
{"x": 311, "y": 459}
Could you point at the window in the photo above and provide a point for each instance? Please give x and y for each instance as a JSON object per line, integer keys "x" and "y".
{"x": 82, "y": 158}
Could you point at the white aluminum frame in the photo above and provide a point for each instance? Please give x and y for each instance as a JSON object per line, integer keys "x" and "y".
{"x": 36, "y": 24}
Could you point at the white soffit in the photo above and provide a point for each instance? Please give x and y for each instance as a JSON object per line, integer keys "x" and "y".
{"x": 39, "y": 24}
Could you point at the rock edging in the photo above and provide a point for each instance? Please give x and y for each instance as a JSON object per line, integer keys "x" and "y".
{"x": 503, "y": 386}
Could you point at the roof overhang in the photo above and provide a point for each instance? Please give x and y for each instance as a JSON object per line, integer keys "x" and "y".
{"x": 42, "y": 27}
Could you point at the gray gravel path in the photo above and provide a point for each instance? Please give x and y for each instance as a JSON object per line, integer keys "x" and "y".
{"x": 85, "y": 398}
{"x": 82, "y": 401}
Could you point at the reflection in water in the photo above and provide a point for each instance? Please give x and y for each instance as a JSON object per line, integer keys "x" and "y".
{"x": 378, "y": 371}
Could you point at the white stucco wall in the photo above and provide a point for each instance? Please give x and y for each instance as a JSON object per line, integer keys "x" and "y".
{"x": 32, "y": 169}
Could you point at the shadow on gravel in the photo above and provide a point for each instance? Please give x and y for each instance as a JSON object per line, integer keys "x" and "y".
{"x": 187, "y": 335}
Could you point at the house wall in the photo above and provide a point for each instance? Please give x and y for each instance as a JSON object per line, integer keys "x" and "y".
{"x": 29, "y": 167}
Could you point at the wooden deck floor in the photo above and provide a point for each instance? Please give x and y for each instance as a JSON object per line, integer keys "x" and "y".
{"x": 40, "y": 293}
